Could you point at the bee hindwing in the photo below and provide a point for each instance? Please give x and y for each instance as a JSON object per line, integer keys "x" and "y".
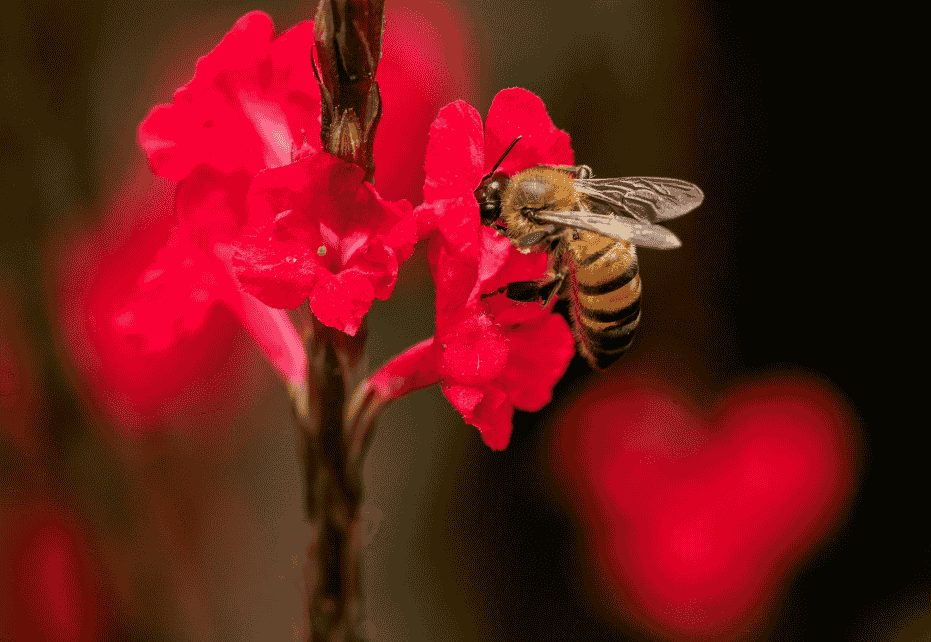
{"x": 615, "y": 227}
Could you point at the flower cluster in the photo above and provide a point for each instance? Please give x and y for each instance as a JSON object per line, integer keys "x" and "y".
{"x": 490, "y": 354}
{"x": 264, "y": 220}
{"x": 325, "y": 236}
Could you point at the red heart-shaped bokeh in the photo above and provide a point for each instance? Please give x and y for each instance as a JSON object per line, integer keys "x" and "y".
{"x": 693, "y": 521}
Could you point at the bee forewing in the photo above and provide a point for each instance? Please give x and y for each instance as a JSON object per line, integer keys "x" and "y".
{"x": 622, "y": 229}
{"x": 647, "y": 199}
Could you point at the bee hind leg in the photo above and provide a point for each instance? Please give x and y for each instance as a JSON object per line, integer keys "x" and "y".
{"x": 527, "y": 291}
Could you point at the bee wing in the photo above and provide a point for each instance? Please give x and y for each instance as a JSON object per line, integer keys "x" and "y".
{"x": 647, "y": 199}
{"x": 616, "y": 227}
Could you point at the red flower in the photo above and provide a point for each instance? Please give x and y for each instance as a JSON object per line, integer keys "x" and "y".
{"x": 252, "y": 105}
{"x": 250, "y": 99}
{"x": 492, "y": 354}
{"x": 460, "y": 154}
{"x": 325, "y": 235}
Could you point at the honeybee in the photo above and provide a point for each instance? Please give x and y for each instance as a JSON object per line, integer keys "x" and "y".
{"x": 589, "y": 227}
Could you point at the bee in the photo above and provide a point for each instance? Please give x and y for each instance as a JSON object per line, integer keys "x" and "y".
{"x": 590, "y": 229}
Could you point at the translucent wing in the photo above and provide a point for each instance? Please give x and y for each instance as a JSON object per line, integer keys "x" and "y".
{"x": 647, "y": 199}
{"x": 616, "y": 227}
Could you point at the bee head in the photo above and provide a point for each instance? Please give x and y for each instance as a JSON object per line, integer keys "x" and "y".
{"x": 488, "y": 193}
{"x": 488, "y": 196}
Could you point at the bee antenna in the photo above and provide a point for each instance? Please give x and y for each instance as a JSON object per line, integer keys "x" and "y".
{"x": 503, "y": 156}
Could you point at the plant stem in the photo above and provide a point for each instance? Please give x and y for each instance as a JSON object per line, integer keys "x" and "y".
{"x": 347, "y": 39}
{"x": 332, "y": 491}
{"x": 347, "y": 43}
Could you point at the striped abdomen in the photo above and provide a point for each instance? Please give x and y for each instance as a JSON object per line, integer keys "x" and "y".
{"x": 605, "y": 296}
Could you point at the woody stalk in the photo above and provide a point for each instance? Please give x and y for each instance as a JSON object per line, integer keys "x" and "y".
{"x": 347, "y": 39}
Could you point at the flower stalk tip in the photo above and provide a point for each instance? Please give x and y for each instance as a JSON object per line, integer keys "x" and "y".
{"x": 347, "y": 39}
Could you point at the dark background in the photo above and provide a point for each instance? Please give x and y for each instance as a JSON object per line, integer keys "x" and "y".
{"x": 781, "y": 265}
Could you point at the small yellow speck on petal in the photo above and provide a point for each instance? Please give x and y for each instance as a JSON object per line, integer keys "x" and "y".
{"x": 321, "y": 251}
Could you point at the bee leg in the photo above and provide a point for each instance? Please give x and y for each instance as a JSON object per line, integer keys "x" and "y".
{"x": 552, "y": 289}
{"x": 527, "y": 291}
{"x": 535, "y": 237}
{"x": 580, "y": 171}
{"x": 519, "y": 291}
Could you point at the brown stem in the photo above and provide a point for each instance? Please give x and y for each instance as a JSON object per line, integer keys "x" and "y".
{"x": 347, "y": 43}
{"x": 347, "y": 39}
{"x": 332, "y": 491}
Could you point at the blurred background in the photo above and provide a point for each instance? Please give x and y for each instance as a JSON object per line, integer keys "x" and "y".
{"x": 160, "y": 500}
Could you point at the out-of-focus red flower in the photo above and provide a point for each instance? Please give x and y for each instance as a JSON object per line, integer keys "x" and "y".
{"x": 325, "y": 235}
{"x": 50, "y": 582}
{"x": 694, "y": 523}
{"x": 490, "y": 354}
{"x": 95, "y": 282}
{"x": 17, "y": 384}
{"x": 428, "y": 60}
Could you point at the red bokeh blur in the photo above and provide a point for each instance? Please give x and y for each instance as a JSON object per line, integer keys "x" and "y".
{"x": 694, "y": 521}
{"x": 429, "y": 59}
{"x": 50, "y": 578}
{"x": 17, "y": 377}
{"x": 96, "y": 275}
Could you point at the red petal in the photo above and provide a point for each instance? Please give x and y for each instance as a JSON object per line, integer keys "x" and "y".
{"x": 280, "y": 274}
{"x": 518, "y": 112}
{"x": 379, "y": 266}
{"x": 427, "y": 218}
{"x": 460, "y": 224}
{"x": 342, "y": 300}
{"x": 275, "y": 334}
{"x": 427, "y": 61}
{"x": 494, "y": 418}
{"x": 498, "y": 254}
{"x": 538, "y": 357}
{"x": 455, "y": 153}
{"x": 454, "y": 278}
{"x": 463, "y": 398}
{"x": 473, "y": 351}
{"x": 403, "y": 236}
{"x": 413, "y": 369}
{"x": 242, "y": 109}
{"x": 212, "y": 206}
